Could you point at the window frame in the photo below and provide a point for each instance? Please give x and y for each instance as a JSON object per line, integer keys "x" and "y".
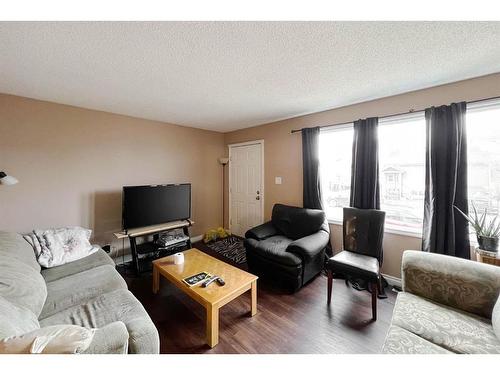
{"x": 407, "y": 117}
{"x": 471, "y": 107}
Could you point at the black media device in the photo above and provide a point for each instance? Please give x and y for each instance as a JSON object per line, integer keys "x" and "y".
{"x": 155, "y": 204}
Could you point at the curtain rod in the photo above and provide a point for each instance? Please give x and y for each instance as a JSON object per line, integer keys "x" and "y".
{"x": 395, "y": 114}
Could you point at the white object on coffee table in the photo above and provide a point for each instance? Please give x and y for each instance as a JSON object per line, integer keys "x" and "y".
{"x": 178, "y": 258}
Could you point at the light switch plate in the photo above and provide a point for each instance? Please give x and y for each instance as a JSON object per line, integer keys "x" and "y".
{"x": 277, "y": 180}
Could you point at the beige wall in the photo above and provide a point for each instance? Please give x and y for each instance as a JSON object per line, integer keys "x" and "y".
{"x": 73, "y": 162}
{"x": 283, "y": 151}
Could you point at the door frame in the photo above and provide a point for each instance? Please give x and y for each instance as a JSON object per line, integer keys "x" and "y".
{"x": 262, "y": 196}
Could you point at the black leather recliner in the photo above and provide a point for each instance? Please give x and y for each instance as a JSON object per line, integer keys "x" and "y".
{"x": 289, "y": 249}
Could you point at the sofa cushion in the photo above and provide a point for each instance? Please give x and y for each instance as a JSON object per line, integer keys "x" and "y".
{"x": 15, "y": 320}
{"x": 296, "y": 222}
{"x": 401, "y": 341}
{"x": 452, "y": 329}
{"x": 119, "y": 305}
{"x": 274, "y": 249}
{"x": 99, "y": 258}
{"x": 495, "y": 318}
{"x": 21, "y": 284}
{"x": 79, "y": 288}
{"x": 110, "y": 339}
{"x": 14, "y": 246}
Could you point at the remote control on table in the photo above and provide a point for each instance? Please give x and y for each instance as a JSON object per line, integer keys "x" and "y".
{"x": 211, "y": 280}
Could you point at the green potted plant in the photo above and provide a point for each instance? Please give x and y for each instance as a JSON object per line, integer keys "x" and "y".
{"x": 487, "y": 231}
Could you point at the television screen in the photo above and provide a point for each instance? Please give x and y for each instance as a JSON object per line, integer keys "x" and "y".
{"x": 155, "y": 204}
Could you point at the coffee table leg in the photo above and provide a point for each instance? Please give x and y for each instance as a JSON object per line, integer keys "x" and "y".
{"x": 212, "y": 325}
{"x": 156, "y": 280}
{"x": 254, "y": 298}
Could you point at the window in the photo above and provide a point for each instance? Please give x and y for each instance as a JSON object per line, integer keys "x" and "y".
{"x": 483, "y": 154}
{"x": 402, "y": 166}
{"x": 402, "y": 171}
{"x": 335, "y": 154}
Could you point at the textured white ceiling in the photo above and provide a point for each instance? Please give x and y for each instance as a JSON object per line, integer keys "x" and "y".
{"x": 231, "y": 75}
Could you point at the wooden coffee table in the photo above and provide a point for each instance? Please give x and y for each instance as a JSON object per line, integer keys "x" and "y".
{"x": 212, "y": 297}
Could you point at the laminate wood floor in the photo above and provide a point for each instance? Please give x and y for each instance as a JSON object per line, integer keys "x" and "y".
{"x": 285, "y": 323}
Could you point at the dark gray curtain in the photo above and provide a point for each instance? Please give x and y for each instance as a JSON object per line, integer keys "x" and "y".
{"x": 445, "y": 231}
{"x": 365, "y": 190}
{"x": 311, "y": 179}
{"x": 310, "y": 164}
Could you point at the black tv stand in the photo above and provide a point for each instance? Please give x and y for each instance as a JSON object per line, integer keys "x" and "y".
{"x": 144, "y": 253}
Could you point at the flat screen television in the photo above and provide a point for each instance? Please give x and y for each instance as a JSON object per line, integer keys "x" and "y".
{"x": 155, "y": 204}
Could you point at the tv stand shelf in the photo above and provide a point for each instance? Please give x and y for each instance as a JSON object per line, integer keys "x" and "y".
{"x": 146, "y": 248}
{"x": 144, "y": 253}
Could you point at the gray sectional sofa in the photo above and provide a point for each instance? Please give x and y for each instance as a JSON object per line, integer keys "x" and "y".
{"x": 448, "y": 305}
{"x": 88, "y": 292}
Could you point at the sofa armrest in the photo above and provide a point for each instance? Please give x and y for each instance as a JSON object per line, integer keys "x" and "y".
{"x": 110, "y": 339}
{"x": 261, "y": 232}
{"x": 463, "y": 284}
{"x": 309, "y": 246}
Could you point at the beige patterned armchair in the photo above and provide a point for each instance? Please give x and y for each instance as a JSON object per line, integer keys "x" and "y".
{"x": 448, "y": 305}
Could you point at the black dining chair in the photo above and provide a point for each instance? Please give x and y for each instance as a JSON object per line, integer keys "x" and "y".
{"x": 361, "y": 257}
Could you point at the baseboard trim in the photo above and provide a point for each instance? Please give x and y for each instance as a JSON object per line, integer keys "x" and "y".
{"x": 394, "y": 281}
{"x": 196, "y": 238}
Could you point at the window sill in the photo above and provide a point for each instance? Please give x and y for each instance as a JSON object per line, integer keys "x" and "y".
{"x": 386, "y": 230}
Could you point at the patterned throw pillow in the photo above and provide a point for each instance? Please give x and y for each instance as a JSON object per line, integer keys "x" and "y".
{"x": 55, "y": 247}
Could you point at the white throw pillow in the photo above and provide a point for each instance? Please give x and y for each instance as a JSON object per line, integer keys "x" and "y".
{"x": 35, "y": 244}
{"x": 58, "y": 339}
{"x": 55, "y": 247}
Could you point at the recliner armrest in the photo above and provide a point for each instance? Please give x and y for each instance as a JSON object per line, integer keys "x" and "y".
{"x": 261, "y": 232}
{"x": 309, "y": 246}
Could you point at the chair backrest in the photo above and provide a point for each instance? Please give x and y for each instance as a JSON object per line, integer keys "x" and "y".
{"x": 364, "y": 231}
{"x": 297, "y": 222}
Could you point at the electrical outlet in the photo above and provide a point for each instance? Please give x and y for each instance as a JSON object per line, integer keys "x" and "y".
{"x": 278, "y": 180}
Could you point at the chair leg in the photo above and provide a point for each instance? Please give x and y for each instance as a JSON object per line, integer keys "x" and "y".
{"x": 374, "y": 300}
{"x": 330, "y": 282}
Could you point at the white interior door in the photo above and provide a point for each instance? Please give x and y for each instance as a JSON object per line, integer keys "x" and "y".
{"x": 246, "y": 195}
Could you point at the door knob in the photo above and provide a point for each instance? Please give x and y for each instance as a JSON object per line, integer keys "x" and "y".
{"x": 257, "y": 198}
{"x": 258, "y": 192}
